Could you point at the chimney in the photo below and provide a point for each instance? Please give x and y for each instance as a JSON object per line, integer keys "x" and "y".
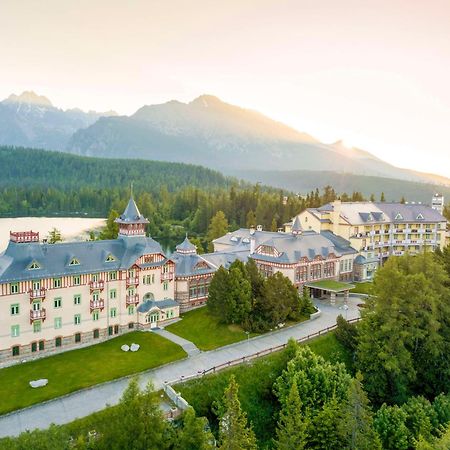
{"x": 252, "y": 245}
{"x": 336, "y": 216}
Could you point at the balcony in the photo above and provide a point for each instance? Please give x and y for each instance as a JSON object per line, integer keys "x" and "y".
{"x": 97, "y": 285}
{"x": 38, "y": 314}
{"x": 132, "y": 299}
{"x": 97, "y": 304}
{"x": 132, "y": 281}
{"x": 36, "y": 294}
{"x": 167, "y": 276}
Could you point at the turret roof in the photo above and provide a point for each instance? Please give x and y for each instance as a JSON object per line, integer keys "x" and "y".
{"x": 131, "y": 214}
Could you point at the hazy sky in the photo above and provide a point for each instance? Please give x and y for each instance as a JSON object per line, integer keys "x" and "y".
{"x": 375, "y": 73}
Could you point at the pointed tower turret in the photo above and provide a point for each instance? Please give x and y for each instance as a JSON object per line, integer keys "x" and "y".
{"x": 131, "y": 222}
{"x": 186, "y": 247}
{"x": 297, "y": 227}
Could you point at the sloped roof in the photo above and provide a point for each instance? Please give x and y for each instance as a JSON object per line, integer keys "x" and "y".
{"x": 160, "y": 304}
{"x": 131, "y": 214}
{"x": 186, "y": 264}
{"x": 53, "y": 258}
{"x": 186, "y": 246}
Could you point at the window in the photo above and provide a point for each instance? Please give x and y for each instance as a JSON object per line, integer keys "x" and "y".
{"x": 41, "y": 345}
{"x": 95, "y": 315}
{"x": 16, "y": 350}
{"x": 329, "y": 268}
{"x": 34, "y": 347}
{"x": 110, "y": 331}
{"x": 110, "y": 258}
{"x": 74, "y": 262}
{"x": 112, "y": 294}
{"x": 57, "y": 283}
{"x": 112, "y": 276}
{"x": 130, "y": 325}
{"x": 420, "y": 217}
{"x": 57, "y": 302}
{"x": 77, "y": 337}
{"x": 58, "y": 342}
{"x": 316, "y": 271}
{"x": 95, "y": 296}
{"x": 58, "y": 323}
{"x": 76, "y": 280}
{"x": 301, "y": 274}
{"x": 14, "y": 287}
{"x": 113, "y": 312}
{"x": 15, "y": 330}
{"x": 116, "y": 329}
{"x": 95, "y": 277}
{"x": 170, "y": 313}
{"x": 77, "y": 319}
{"x": 33, "y": 266}
{"x": 15, "y": 309}
{"x": 36, "y": 285}
{"x": 165, "y": 285}
{"x": 37, "y": 326}
{"x": 77, "y": 299}
{"x": 96, "y": 333}
{"x": 130, "y": 310}
{"x": 398, "y": 217}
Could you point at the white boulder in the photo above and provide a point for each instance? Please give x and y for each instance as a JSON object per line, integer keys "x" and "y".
{"x": 39, "y": 383}
{"x": 125, "y": 348}
{"x": 134, "y": 347}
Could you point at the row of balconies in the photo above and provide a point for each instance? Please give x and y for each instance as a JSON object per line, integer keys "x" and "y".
{"x": 41, "y": 314}
{"x": 393, "y": 231}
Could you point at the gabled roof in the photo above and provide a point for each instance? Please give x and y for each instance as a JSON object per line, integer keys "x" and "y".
{"x": 160, "y": 304}
{"x": 297, "y": 226}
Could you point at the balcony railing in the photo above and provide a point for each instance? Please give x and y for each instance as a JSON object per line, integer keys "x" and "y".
{"x": 37, "y": 293}
{"x": 167, "y": 276}
{"x": 132, "y": 281}
{"x": 132, "y": 299}
{"x": 97, "y": 285}
{"x": 38, "y": 314}
{"x": 97, "y": 304}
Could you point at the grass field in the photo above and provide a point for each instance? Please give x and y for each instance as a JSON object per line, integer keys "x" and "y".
{"x": 77, "y": 369}
{"x": 205, "y": 331}
{"x": 363, "y": 288}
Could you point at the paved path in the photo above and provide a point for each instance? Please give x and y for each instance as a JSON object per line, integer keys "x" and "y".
{"x": 82, "y": 403}
{"x": 189, "y": 347}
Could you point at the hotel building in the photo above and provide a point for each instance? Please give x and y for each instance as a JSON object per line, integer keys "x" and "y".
{"x": 378, "y": 230}
{"x": 59, "y": 296}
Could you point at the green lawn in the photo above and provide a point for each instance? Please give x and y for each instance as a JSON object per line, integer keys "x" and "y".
{"x": 332, "y": 285}
{"x": 363, "y": 288}
{"x": 77, "y": 369}
{"x": 205, "y": 331}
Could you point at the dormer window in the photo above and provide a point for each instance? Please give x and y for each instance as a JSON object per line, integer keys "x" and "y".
{"x": 420, "y": 216}
{"x": 110, "y": 258}
{"x": 33, "y": 266}
{"x": 74, "y": 262}
{"x": 398, "y": 217}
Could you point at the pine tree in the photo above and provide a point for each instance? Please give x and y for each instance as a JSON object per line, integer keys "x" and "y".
{"x": 192, "y": 435}
{"x": 217, "y": 227}
{"x": 292, "y": 425}
{"x": 234, "y": 432}
{"x": 357, "y": 420}
{"x": 250, "y": 219}
{"x": 218, "y": 294}
{"x": 111, "y": 229}
{"x": 54, "y": 236}
{"x": 382, "y": 197}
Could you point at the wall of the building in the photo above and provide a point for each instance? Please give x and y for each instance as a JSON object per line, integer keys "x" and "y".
{"x": 68, "y": 309}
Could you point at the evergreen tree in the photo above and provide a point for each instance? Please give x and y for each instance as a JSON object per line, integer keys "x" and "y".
{"x": 372, "y": 197}
{"x": 357, "y": 420}
{"x": 250, "y": 219}
{"x": 292, "y": 425}
{"x": 191, "y": 435}
{"x": 382, "y": 197}
{"x": 54, "y": 236}
{"x": 234, "y": 433}
{"x": 217, "y": 227}
{"x": 111, "y": 229}
{"x": 218, "y": 293}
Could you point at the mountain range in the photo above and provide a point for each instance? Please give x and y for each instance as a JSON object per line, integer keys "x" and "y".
{"x": 31, "y": 120}
{"x": 205, "y": 131}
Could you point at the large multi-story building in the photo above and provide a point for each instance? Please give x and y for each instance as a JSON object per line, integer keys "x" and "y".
{"x": 58, "y": 296}
{"x": 378, "y": 230}
{"x": 302, "y": 256}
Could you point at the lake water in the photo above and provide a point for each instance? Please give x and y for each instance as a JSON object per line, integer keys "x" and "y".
{"x": 72, "y": 228}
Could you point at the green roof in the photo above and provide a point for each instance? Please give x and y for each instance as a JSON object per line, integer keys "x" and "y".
{"x": 330, "y": 285}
